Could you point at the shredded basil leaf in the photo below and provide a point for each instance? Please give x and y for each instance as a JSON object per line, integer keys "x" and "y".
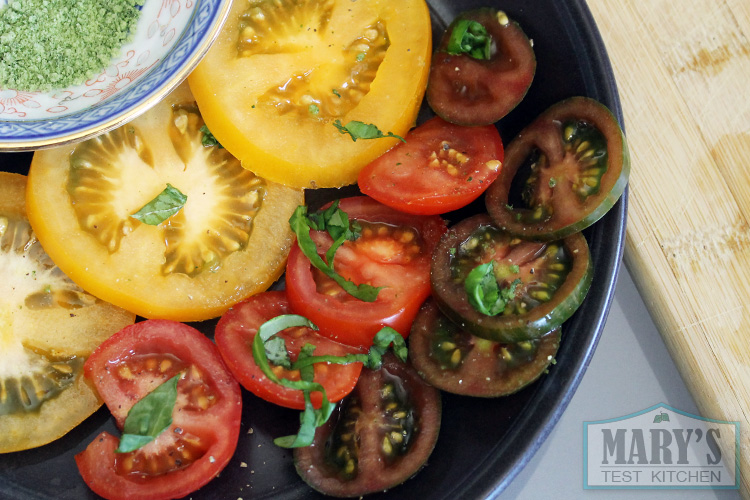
{"x": 266, "y": 347}
{"x": 360, "y": 130}
{"x": 149, "y": 417}
{"x": 311, "y": 417}
{"x": 336, "y": 222}
{"x": 165, "y": 205}
{"x": 484, "y": 294}
{"x": 471, "y": 38}
{"x": 208, "y": 138}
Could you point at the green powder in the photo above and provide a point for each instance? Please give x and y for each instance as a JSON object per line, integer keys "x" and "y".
{"x": 49, "y": 44}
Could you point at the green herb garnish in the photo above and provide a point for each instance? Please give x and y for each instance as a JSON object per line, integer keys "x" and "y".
{"x": 336, "y": 93}
{"x": 484, "y": 294}
{"x": 552, "y": 182}
{"x": 470, "y": 38}
{"x": 359, "y": 130}
{"x": 336, "y": 222}
{"x": 165, "y": 205}
{"x": 208, "y": 139}
{"x": 269, "y": 349}
{"x": 313, "y": 109}
{"x": 149, "y": 417}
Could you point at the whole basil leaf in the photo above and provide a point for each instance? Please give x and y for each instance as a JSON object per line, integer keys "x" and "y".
{"x": 149, "y": 417}
{"x": 165, "y": 205}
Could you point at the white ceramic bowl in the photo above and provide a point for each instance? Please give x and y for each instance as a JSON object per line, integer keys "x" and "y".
{"x": 170, "y": 39}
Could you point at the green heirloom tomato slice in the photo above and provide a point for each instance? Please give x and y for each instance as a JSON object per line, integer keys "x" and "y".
{"x": 282, "y": 74}
{"x": 378, "y": 437}
{"x": 551, "y": 279}
{"x": 48, "y": 327}
{"x": 228, "y": 239}
{"x": 569, "y": 166}
{"x": 466, "y": 90}
{"x": 456, "y": 361}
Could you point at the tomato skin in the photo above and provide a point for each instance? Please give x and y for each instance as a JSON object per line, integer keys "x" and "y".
{"x": 475, "y": 241}
{"x": 455, "y": 361}
{"x": 133, "y": 276}
{"x": 295, "y": 147}
{"x": 234, "y": 336}
{"x": 471, "y": 91}
{"x": 31, "y": 336}
{"x": 441, "y": 167}
{"x": 352, "y": 321}
{"x": 217, "y": 426}
{"x": 570, "y": 212}
{"x": 370, "y": 413}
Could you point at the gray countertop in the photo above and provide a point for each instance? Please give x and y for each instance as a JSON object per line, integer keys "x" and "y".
{"x": 631, "y": 370}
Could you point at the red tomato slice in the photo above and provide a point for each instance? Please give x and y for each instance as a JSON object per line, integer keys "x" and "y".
{"x": 441, "y": 167}
{"x": 234, "y": 338}
{"x": 206, "y": 419}
{"x": 394, "y": 252}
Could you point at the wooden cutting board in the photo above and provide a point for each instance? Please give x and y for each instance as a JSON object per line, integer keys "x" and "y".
{"x": 683, "y": 72}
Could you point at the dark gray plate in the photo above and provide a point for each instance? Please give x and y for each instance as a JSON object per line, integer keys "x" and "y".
{"x": 483, "y": 444}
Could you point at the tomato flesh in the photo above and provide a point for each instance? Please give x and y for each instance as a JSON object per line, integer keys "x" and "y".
{"x": 394, "y": 252}
{"x": 441, "y": 167}
{"x": 206, "y": 418}
{"x": 571, "y": 163}
{"x": 281, "y": 74}
{"x": 455, "y": 361}
{"x": 470, "y": 91}
{"x": 554, "y": 279}
{"x": 234, "y": 337}
{"x": 379, "y": 436}
{"x": 48, "y": 327}
{"x": 229, "y": 240}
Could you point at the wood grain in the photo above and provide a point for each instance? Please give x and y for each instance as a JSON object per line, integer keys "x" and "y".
{"x": 683, "y": 72}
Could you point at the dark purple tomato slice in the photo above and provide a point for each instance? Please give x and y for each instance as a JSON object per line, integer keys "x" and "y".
{"x": 551, "y": 279}
{"x": 469, "y": 91}
{"x": 456, "y": 361}
{"x": 569, "y": 167}
{"x": 379, "y": 436}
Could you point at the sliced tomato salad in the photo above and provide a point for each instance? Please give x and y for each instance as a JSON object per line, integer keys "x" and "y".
{"x": 234, "y": 338}
{"x": 441, "y": 167}
{"x": 394, "y": 252}
{"x": 205, "y": 421}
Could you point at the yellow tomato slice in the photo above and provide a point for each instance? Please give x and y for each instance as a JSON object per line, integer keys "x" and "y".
{"x": 230, "y": 239}
{"x": 282, "y": 72}
{"x": 48, "y": 326}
